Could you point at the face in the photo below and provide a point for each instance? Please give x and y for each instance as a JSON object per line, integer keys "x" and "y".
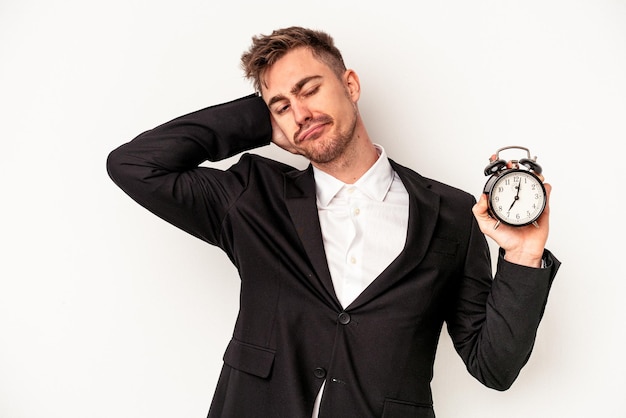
{"x": 314, "y": 108}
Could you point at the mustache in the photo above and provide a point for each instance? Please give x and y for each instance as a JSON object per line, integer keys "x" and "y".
{"x": 320, "y": 120}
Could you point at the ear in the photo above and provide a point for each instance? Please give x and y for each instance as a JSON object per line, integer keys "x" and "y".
{"x": 353, "y": 85}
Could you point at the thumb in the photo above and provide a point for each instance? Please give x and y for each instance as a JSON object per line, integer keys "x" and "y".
{"x": 481, "y": 208}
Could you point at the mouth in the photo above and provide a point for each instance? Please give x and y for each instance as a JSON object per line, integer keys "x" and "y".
{"x": 311, "y": 133}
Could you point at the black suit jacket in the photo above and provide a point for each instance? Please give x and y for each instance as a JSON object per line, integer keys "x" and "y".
{"x": 291, "y": 333}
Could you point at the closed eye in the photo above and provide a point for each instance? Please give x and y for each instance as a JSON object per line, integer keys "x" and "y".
{"x": 279, "y": 110}
{"x": 311, "y": 91}
{"x": 280, "y": 104}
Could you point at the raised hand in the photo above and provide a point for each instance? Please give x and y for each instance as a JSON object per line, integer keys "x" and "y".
{"x": 523, "y": 245}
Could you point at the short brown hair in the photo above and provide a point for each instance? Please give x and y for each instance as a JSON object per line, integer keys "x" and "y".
{"x": 267, "y": 49}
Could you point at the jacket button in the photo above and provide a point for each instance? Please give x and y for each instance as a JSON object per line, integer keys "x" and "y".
{"x": 344, "y": 318}
{"x": 319, "y": 372}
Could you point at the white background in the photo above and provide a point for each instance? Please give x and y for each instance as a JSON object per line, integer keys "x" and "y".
{"x": 108, "y": 312}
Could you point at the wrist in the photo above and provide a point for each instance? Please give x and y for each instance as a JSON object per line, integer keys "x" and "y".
{"x": 524, "y": 259}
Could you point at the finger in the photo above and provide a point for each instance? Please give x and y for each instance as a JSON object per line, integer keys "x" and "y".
{"x": 480, "y": 209}
{"x": 548, "y": 188}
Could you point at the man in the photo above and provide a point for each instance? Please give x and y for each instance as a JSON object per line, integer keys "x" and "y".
{"x": 348, "y": 268}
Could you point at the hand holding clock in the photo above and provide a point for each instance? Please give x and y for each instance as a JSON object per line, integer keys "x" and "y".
{"x": 521, "y": 228}
{"x": 523, "y": 245}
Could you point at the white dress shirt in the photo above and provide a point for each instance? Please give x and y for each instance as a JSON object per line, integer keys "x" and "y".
{"x": 364, "y": 228}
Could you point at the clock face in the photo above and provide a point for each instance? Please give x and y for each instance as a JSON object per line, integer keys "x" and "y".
{"x": 517, "y": 197}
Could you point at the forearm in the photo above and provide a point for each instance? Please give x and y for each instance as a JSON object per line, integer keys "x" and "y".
{"x": 160, "y": 168}
{"x": 494, "y": 322}
{"x": 514, "y": 310}
{"x": 212, "y": 134}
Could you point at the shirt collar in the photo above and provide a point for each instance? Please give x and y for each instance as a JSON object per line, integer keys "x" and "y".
{"x": 375, "y": 183}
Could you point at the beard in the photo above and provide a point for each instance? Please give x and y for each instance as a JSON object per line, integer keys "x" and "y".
{"x": 329, "y": 148}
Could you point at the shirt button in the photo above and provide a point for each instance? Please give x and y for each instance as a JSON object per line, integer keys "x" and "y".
{"x": 344, "y": 318}
{"x": 356, "y": 211}
{"x": 319, "y": 372}
{"x": 352, "y": 260}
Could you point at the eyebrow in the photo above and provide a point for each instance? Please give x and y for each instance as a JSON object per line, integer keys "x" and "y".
{"x": 295, "y": 90}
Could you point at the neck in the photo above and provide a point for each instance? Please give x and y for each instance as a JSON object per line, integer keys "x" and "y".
{"x": 354, "y": 162}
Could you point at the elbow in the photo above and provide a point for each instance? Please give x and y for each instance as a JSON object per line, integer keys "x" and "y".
{"x": 498, "y": 375}
{"x": 500, "y": 381}
{"x": 503, "y": 385}
{"x": 114, "y": 165}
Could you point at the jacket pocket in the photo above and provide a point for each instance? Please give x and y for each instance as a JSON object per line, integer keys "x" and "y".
{"x": 249, "y": 358}
{"x": 402, "y": 409}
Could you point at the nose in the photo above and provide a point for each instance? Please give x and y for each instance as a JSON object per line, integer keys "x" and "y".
{"x": 301, "y": 113}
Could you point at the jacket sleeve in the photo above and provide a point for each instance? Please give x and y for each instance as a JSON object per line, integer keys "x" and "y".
{"x": 160, "y": 169}
{"x": 493, "y": 323}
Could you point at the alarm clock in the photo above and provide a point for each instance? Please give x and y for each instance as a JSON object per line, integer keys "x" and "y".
{"x": 515, "y": 193}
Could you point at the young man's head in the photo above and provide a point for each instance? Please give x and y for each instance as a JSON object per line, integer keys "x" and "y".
{"x": 311, "y": 95}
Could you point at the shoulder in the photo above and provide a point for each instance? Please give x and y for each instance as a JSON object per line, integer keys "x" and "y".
{"x": 253, "y": 169}
{"x": 259, "y": 162}
{"x": 416, "y": 183}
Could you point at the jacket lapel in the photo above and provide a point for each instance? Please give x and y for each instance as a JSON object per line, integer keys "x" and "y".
{"x": 423, "y": 214}
{"x": 301, "y": 203}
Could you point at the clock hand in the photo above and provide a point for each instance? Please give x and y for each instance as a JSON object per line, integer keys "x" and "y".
{"x": 519, "y": 186}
